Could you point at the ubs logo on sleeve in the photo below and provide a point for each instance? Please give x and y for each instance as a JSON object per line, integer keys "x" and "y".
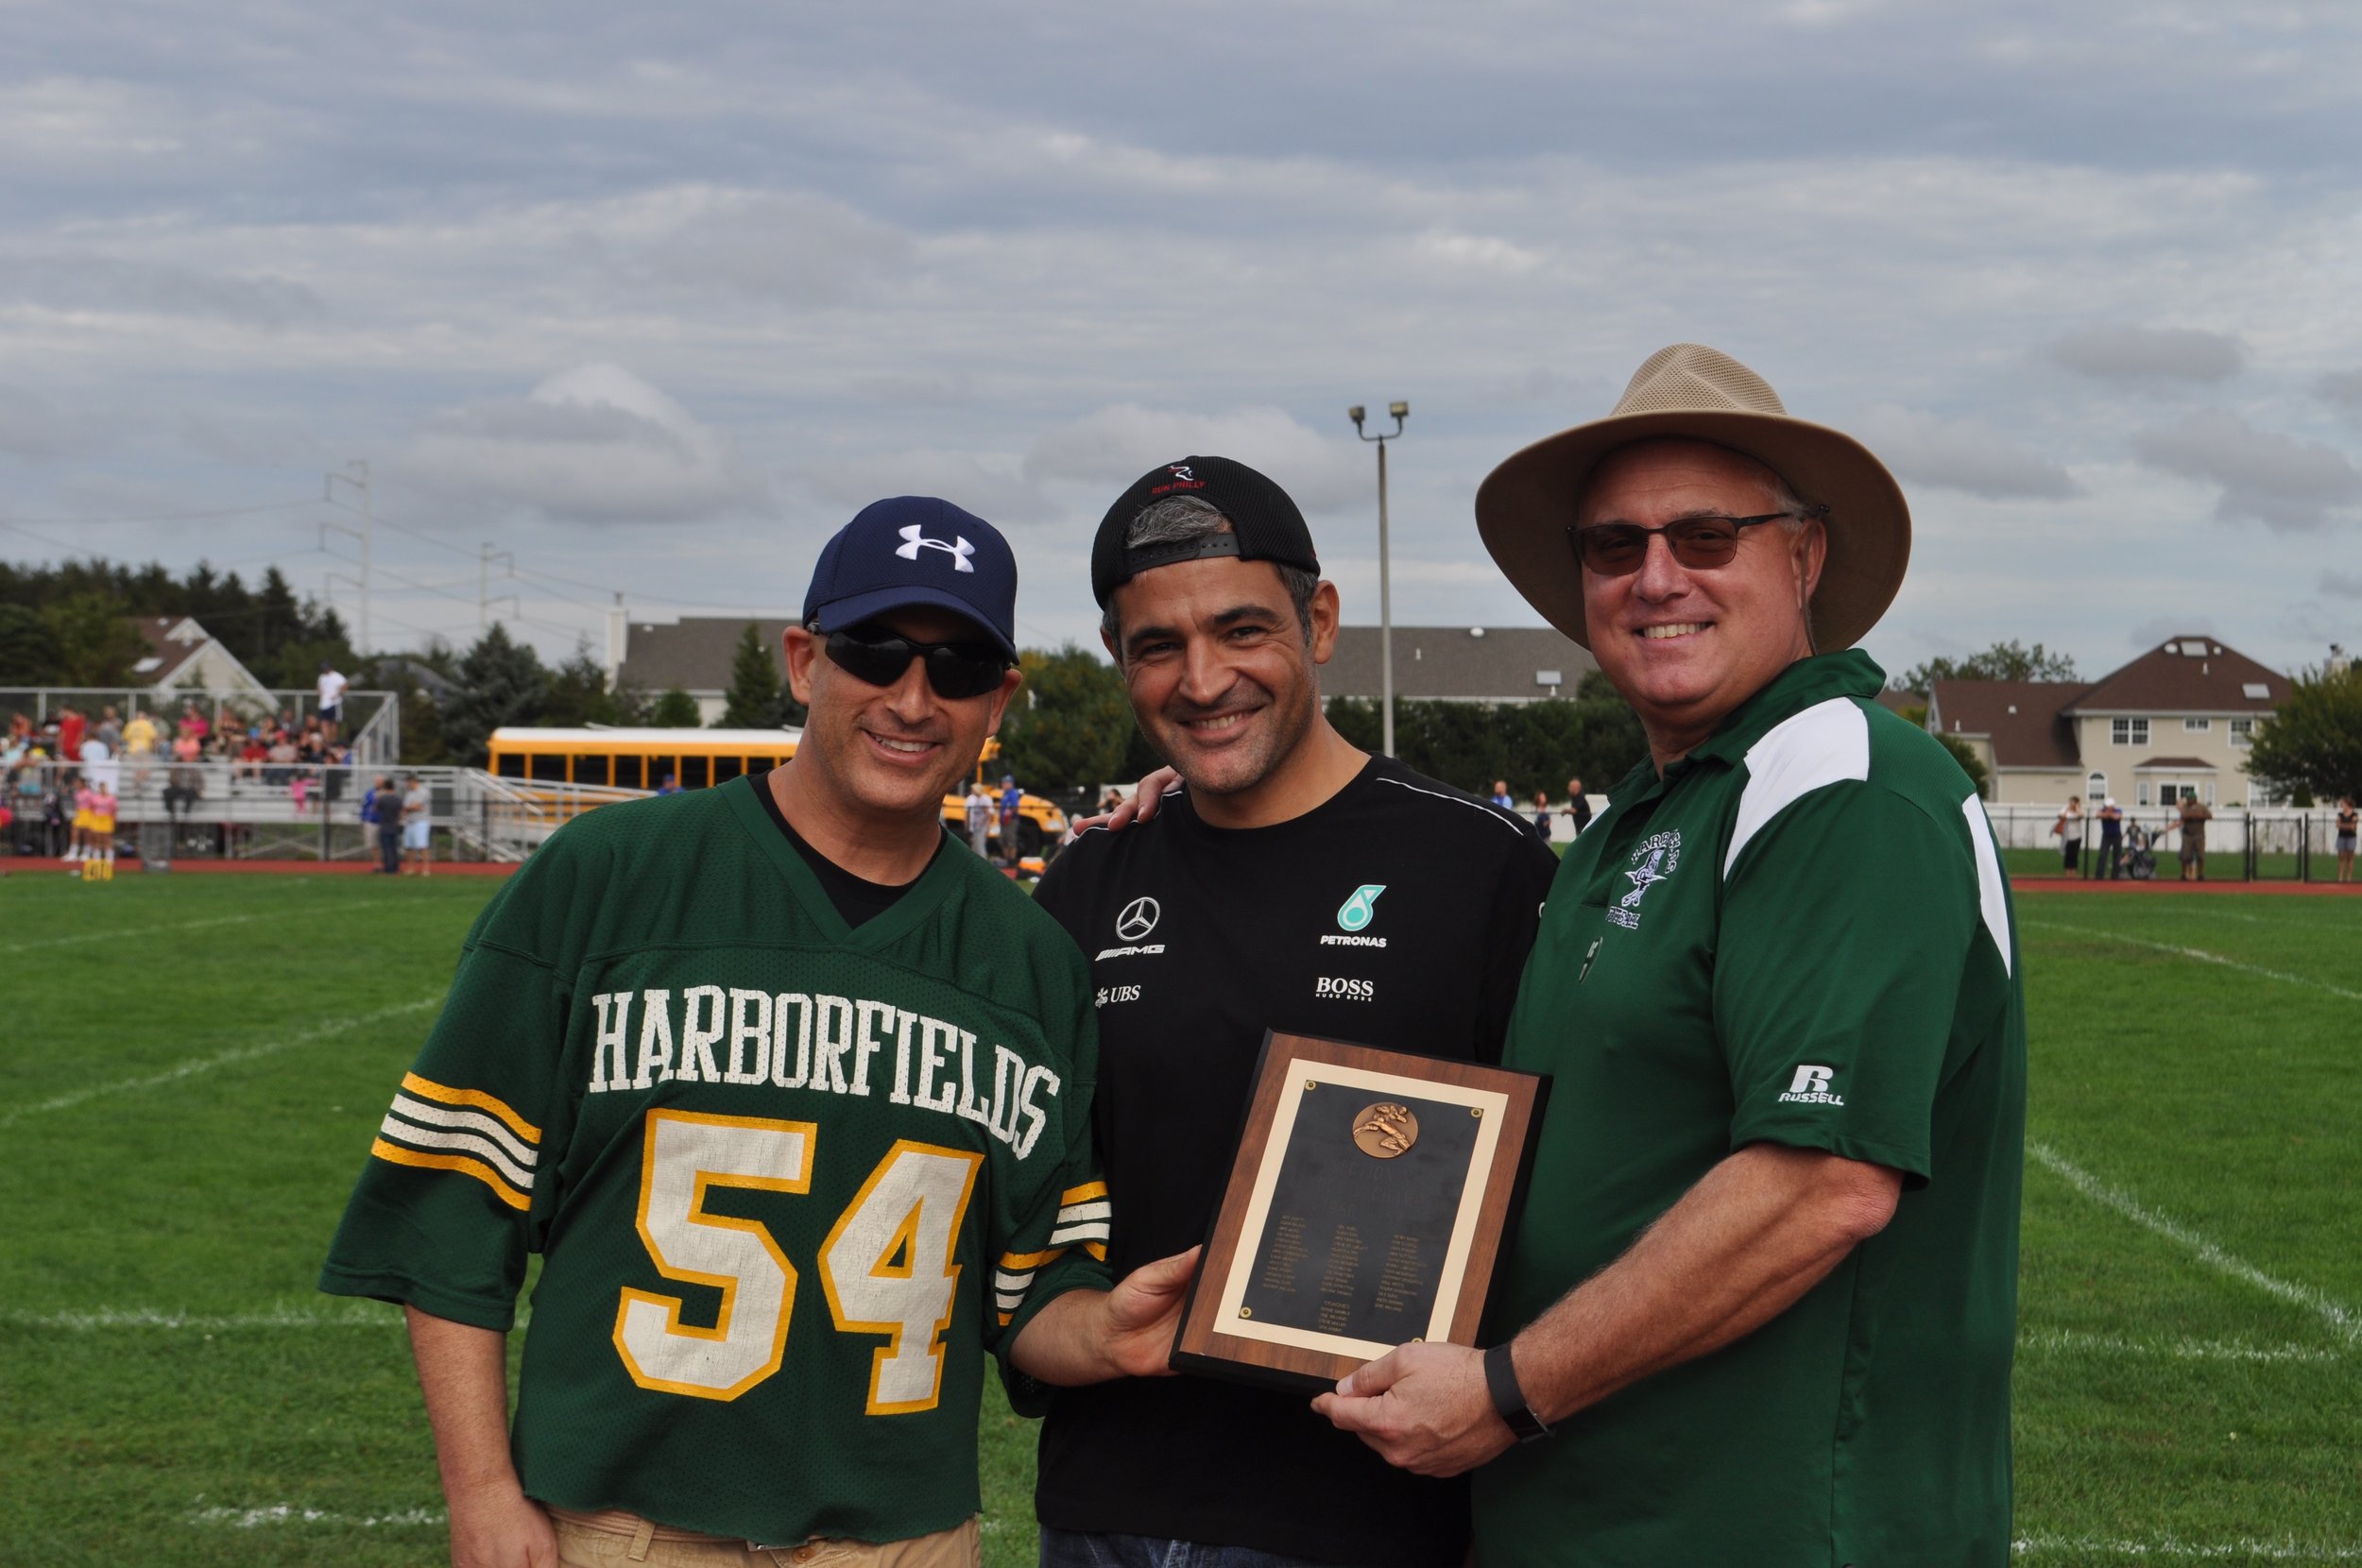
{"x": 1653, "y": 860}
{"x": 1810, "y": 1086}
{"x": 1137, "y": 919}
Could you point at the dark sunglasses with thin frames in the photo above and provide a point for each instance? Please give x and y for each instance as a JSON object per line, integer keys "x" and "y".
{"x": 956, "y": 671}
{"x": 1701, "y": 543}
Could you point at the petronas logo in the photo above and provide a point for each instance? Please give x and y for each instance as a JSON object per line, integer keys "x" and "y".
{"x": 1359, "y": 910}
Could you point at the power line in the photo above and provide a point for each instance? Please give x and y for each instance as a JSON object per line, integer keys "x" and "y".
{"x": 186, "y": 517}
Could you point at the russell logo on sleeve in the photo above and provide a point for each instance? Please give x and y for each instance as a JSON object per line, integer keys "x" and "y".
{"x": 1812, "y": 1088}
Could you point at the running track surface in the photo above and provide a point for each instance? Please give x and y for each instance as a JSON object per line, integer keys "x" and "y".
{"x": 497, "y": 868}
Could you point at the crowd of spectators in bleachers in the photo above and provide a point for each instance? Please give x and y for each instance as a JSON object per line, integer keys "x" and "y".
{"x": 161, "y": 765}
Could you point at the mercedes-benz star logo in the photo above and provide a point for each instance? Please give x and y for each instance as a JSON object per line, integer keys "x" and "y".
{"x": 1138, "y": 919}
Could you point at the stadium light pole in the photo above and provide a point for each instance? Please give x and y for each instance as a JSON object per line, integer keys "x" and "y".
{"x": 1385, "y": 600}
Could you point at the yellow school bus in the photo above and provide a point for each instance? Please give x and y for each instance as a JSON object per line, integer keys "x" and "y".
{"x": 699, "y": 759}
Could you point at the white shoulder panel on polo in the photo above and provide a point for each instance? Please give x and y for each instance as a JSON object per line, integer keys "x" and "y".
{"x": 1990, "y": 896}
{"x": 1826, "y": 744}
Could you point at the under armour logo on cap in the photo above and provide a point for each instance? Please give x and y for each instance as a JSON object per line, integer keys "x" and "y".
{"x": 915, "y": 539}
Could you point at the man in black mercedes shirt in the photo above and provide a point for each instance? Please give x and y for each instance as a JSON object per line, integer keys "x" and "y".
{"x": 1294, "y": 882}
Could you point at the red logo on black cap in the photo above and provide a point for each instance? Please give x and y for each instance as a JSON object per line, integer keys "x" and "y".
{"x": 1182, "y": 480}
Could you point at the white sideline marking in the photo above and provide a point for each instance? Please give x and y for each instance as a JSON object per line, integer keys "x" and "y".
{"x": 287, "y": 1513}
{"x": 2342, "y": 1320}
{"x": 222, "y": 1059}
{"x": 185, "y": 926}
{"x": 374, "y": 1316}
{"x": 2201, "y": 955}
{"x": 2073, "y": 1342}
{"x": 2248, "y": 1550}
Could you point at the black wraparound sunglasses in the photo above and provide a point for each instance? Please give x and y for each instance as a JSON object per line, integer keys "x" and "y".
{"x": 954, "y": 670}
{"x": 1702, "y": 543}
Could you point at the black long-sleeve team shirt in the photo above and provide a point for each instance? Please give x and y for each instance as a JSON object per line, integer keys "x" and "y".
{"x": 1398, "y": 913}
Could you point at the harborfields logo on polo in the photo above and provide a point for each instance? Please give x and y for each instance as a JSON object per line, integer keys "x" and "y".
{"x": 1354, "y": 916}
{"x": 915, "y": 539}
{"x": 1810, "y": 1086}
{"x": 1653, "y": 860}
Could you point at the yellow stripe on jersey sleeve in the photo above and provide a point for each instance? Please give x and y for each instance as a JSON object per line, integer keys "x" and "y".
{"x": 464, "y": 1164}
{"x": 1083, "y": 1194}
{"x": 476, "y": 1097}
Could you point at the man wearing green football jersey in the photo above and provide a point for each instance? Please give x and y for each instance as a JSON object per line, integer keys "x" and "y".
{"x": 794, "y": 1101}
{"x": 1761, "y": 1304}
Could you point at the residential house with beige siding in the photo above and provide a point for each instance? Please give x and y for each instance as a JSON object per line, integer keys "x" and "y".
{"x": 2176, "y": 722}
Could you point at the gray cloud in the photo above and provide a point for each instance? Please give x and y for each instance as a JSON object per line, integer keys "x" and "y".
{"x": 790, "y": 247}
{"x": 995, "y": 494}
{"x": 2341, "y": 390}
{"x": 1116, "y": 445}
{"x": 31, "y": 426}
{"x": 2284, "y": 483}
{"x": 2151, "y": 354}
{"x": 109, "y": 284}
{"x": 594, "y": 444}
{"x": 2154, "y": 630}
{"x": 2344, "y": 585}
{"x": 1961, "y": 454}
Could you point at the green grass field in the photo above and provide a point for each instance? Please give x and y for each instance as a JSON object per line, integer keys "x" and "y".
{"x": 195, "y": 1065}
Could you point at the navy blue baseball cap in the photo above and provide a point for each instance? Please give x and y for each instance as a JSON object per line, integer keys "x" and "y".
{"x": 915, "y": 550}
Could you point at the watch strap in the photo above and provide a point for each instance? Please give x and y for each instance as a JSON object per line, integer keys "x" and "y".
{"x": 1501, "y": 1380}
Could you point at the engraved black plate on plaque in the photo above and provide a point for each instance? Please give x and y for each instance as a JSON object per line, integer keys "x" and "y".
{"x": 1366, "y": 1208}
{"x": 1353, "y": 1244}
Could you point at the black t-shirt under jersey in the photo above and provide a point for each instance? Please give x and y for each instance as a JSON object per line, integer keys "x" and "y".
{"x": 1200, "y": 938}
{"x": 858, "y": 899}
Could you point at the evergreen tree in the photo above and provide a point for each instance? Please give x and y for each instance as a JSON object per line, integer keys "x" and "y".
{"x": 676, "y": 709}
{"x": 578, "y": 693}
{"x": 2011, "y": 661}
{"x": 95, "y": 645}
{"x": 500, "y": 682}
{"x": 752, "y": 701}
{"x": 29, "y": 655}
{"x": 1071, "y": 723}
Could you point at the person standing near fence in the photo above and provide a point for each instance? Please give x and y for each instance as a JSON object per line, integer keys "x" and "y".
{"x": 417, "y": 828}
{"x": 1578, "y": 809}
{"x": 385, "y": 812}
{"x": 2346, "y": 821}
{"x": 2193, "y": 825}
{"x": 2111, "y": 839}
{"x": 979, "y": 818}
{"x": 331, "y": 698}
{"x": 2070, "y": 830}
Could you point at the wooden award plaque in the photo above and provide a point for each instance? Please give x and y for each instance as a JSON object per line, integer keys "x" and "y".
{"x": 1368, "y": 1207}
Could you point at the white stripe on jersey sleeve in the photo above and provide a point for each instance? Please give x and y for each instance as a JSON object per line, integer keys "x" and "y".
{"x": 470, "y": 1122}
{"x": 1076, "y": 1213}
{"x": 1827, "y": 743}
{"x": 1991, "y": 891}
{"x": 420, "y": 1137}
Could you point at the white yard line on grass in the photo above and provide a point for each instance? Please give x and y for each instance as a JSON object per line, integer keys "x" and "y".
{"x": 2198, "y": 953}
{"x": 222, "y": 1059}
{"x": 373, "y": 1315}
{"x": 13, "y": 948}
{"x": 288, "y": 1513}
{"x": 2248, "y": 1550}
{"x": 2073, "y": 1342}
{"x": 2344, "y": 1320}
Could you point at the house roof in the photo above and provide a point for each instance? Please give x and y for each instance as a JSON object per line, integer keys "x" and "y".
{"x": 2187, "y": 675}
{"x": 694, "y": 655}
{"x": 2025, "y": 719}
{"x": 2175, "y": 764}
{"x": 173, "y": 642}
{"x": 1467, "y": 664}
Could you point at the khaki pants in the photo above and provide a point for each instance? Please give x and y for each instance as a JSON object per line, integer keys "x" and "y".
{"x": 614, "y": 1538}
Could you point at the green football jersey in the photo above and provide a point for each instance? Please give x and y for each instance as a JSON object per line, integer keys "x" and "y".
{"x": 790, "y": 1181}
{"x": 1800, "y": 934}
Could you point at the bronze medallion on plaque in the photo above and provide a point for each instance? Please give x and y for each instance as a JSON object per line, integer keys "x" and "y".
{"x": 1366, "y": 1208}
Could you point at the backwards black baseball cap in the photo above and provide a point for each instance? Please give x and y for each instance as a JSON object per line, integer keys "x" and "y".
{"x": 1265, "y": 524}
{"x": 915, "y": 550}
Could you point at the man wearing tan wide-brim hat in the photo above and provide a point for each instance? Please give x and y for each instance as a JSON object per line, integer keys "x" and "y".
{"x": 1759, "y": 1306}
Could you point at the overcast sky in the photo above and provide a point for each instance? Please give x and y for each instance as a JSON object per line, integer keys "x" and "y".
{"x": 653, "y": 299}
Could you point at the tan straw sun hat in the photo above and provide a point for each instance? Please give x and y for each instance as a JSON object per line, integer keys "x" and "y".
{"x": 1523, "y": 506}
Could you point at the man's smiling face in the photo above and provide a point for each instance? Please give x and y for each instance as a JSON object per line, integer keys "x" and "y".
{"x": 1218, "y": 667}
{"x": 1686, "y": 646}
{"x": 892, "y": 750}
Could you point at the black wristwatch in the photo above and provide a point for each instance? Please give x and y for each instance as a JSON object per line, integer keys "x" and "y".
{"x": 1501, "y": 1377}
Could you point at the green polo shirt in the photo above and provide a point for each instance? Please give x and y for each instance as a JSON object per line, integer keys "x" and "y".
{"x": 1800, "y": 934}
